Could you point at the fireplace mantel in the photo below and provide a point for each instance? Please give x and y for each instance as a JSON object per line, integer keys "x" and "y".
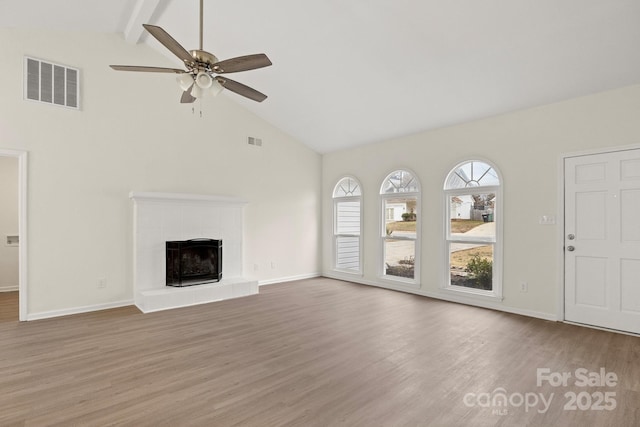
{"x": 162, "y": 217}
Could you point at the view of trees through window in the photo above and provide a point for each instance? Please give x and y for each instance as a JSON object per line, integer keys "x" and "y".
{"x": 400, "y": 230}
{"x": 399, "y": 194}
{"x": 472, "y": 199}
{"x": 471, "y": 228}
{"x": 472, "y": 218}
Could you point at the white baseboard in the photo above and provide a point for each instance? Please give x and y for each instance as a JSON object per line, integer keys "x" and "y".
{"x": 355, "y": 279}
{"x": 462, "y": 299}
{"x": 89, "y": 308}
{"x": 8, "y": 288}
{"x": 288, "y": 279}
{"x": 77, "y": 310}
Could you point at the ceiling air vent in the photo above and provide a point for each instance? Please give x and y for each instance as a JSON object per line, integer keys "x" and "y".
{"x": 51, "y": 83}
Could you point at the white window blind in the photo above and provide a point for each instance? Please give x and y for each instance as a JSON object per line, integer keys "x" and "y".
{"x": 348, "y": 217}
{"x": 347, "y": 222}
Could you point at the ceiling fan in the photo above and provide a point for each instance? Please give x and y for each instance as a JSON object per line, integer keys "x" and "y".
{"x": 200, "y": 77}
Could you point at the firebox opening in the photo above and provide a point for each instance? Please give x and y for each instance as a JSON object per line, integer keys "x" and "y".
{"x": 193, "y": 262}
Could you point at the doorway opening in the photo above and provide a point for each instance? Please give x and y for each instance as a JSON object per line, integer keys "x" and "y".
{"x": 13, "y": 233}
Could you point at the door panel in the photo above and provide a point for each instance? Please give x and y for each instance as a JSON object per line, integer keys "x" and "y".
{"x": 591, "y": 273}
{"x": 630, "y": 215}
{"x": 590, "y": 173}
{"x": 630, "y": 291}
{"x": 630, "y": 169}
{"x": 602, "y": 240}
{"x": 591, "y": 215}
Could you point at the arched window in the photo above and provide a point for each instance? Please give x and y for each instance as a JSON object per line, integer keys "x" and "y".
{"x": 347, "y": 220}
{"x": 400, "y": 226}
{"x": 473, "y": 198}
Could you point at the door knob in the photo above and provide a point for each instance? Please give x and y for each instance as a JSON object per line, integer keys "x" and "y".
{"x": 571, "y": 236}
{"x": 571, "y": 248}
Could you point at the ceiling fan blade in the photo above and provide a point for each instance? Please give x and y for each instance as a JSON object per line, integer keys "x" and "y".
{"x": 186, "y": 97}
{"x": 169, "y": 42}
{"x": 146, "y": 69}
{"x": 241, "y": 89}
{"x": 242, "y": 63}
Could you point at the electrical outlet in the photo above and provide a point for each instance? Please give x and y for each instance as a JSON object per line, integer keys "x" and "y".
{"x": 255, "y": 267}
{"x": 273, "y": 265}
{"x": 524, "y": 286}
{"x": 102, "y": 283}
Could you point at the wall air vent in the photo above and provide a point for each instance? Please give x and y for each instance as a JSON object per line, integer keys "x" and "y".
{"x": 254, "y": 141}
{"x": 51, "y": 83}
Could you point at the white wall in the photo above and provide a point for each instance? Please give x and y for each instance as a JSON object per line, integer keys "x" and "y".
{"x": 8, "y": 222}
{"x": 132, "y": 134}
{"x": 526, "y": 147}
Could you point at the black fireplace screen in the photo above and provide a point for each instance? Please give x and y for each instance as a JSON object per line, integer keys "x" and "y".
{"x": 194, "y": 262}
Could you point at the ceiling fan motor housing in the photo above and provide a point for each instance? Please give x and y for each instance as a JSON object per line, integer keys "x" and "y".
{"x": 202, "y": 57}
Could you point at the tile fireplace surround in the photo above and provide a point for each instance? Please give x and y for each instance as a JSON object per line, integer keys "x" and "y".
{"x": 161, "y": 217}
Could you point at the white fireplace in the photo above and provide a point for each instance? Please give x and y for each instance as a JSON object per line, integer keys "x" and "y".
{"x": 162, "y": 217}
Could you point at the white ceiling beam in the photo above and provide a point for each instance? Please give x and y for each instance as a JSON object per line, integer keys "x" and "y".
{"x": 141, "y": 14}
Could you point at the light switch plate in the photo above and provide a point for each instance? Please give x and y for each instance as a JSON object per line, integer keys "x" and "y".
{"x": 547, "y": 220}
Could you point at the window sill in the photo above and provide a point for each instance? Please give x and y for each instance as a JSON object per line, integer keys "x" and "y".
{"x": 395, "y": 280}
{"x": 348, "y": 272}
{"x": 473, "y": 293}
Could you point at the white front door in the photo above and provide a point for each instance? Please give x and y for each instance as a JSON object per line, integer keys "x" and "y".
{"x": 602, "y": 240}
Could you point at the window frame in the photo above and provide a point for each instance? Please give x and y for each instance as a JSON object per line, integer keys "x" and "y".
{"x": 384, "y": 197}
{"x": 335, "y": 235}
{"x": 496, "y": 241}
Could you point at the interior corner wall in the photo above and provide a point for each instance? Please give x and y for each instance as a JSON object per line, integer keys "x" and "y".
{"x": 131, "y": 133}
{"x": 8, "y": 223}
{"x": 526, "y": 146}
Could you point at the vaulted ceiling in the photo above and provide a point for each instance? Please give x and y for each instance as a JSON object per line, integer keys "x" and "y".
{"x": 353, "y": 72}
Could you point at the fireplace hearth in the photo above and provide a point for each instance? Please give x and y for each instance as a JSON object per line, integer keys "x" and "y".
{"x": 193, "y": 262}
{"x": 159, "y": 218}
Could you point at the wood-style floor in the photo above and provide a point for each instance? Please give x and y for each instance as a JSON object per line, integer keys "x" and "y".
{"x": 317, "y": 352}
{"x": 9, "y": 307}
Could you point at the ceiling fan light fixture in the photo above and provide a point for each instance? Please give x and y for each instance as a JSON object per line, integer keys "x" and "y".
{"x": 196, "y": 91}
{"x": 185, "y": 80}
{"x": 204, "y": 80}
{"x": 215, "y": 88}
